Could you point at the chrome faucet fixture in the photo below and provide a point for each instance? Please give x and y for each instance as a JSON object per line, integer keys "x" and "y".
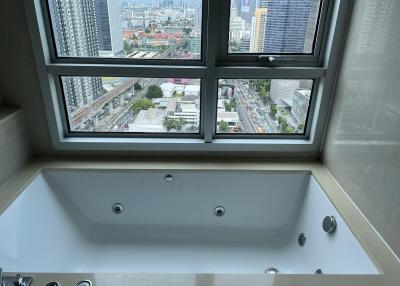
{"x": 17, "y": 280}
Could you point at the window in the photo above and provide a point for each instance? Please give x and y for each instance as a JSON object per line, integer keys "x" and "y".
{"x": 133, "y": 105}
{"x": 138, "y": 29}
{"x": 273, "y": 26}
{"x": 232, "y": 73}
{"x": 263, "y": 106}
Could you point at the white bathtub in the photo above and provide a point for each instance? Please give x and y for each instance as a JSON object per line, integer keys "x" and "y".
{"x": 63, "y": 222}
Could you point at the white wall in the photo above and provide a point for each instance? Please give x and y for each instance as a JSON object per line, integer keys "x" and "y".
{"x": 19, "y": 84}
{"x": 362, "y": 147}
{"x": 15, "y": 150}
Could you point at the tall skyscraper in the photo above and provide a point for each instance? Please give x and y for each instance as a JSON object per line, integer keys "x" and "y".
{"x": 246, "y": 8}
{"x": 75, "y": 34}
{"x": 290, "y": 26}
{"x": 168, "y": 4}
{"x": 262, "y": 3}
{"x": 108, "y": 20}
{"x": 197, "y": 18}
{"x": 259, "y": 26}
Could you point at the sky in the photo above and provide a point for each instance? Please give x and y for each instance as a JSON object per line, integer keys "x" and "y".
{"x": 192, "y": 2}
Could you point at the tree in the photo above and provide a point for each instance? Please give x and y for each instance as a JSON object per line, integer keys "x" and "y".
{"x": 174, "y": 124}
{"x": 154, "y": 91}
{"x": 142, "y": 104}
{"x": 168, "y": 123}
{"x": 300, "y": 128}
{"x": 179, "y": 124}
{"x": 262, "y": 87}
{"x": 137, "y": 86}
{"x": 284, "y": 125}
{"x": 128, "y": 48}
{"x": 187, "y": 30}
{"x": 273, "y": 111}
{"x": 223, "y": 126}
{"x": 230, "y": 105}
{"x": 192, "y": 128}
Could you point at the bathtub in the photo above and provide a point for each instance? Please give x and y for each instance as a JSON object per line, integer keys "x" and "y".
{"x": 187, "y": 224}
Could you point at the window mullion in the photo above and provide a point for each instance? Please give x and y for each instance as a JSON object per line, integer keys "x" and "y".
{"x": 210, "y": 87}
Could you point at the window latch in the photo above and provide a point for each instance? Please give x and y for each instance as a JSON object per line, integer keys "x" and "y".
{"x": 269, "y": 60}
{"x": 266, "y": 59}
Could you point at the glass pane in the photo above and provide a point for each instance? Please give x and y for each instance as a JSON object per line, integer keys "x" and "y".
{"x": 137, "y": 105}
{"x": 273, "y": 26}
{"x": 261, "y": 106}
{"x": 137, "y": 29}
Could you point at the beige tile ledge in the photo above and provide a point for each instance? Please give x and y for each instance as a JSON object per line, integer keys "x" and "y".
{"x": 6, "y": 113}
{"x": 368, "y": 237}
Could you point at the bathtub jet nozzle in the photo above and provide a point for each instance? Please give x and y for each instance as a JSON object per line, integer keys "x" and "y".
{"x": 271, "y": 270}
{"x": 117, "y": 208}
{"x": 219, "y": 211}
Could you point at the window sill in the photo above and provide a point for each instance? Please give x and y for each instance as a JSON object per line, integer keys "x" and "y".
{"x": 184, "y": 145}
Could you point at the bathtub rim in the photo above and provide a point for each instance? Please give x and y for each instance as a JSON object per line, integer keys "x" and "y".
{"x": 372, "y": 243}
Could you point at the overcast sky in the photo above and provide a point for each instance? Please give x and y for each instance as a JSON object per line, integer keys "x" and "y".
{"x": 190, "y": 2}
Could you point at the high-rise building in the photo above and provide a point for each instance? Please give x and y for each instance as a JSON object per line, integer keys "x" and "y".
{"x": 246, "y": 9}
{"x": 301, "y": 102}
{"x": 282, "y": 91}
{"x": 290, "y": 26}
{"x": 245, "y": 45}
{"x": 75, "y": 34}
{"x": 108, "y": 20}
{"x": 259, "y": 26}
{"x": 262, "y": 3}
{"x": 197, "y": 18}
{"x": 168, "y": 4}
{"x": 236, "y": 28}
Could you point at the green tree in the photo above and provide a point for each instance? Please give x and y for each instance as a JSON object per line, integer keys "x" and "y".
{"x": 169, "y": 123}
{"x": 128, "y": 48}
{"x": 193, "y": 128}
{"x": 137, "y": 86}
{"x": 223, "y": 126}
{"x": 174, "y": 124}
{"x": 290, "y": 130}
{"x": 300, "y": 128}
{"x": 273, "y": 111}
{"x": 187, "y": 30}
{"x": 230, "y": 105}
{"x": 154, "y": 91}
{"x": 179, "y": 124}
{"x": 142, "y": 104}
{"x": 284, "y": 125}
{"x": 262, "y": 87}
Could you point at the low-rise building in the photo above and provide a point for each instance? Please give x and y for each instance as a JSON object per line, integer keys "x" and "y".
{"x": 231, "y": 118}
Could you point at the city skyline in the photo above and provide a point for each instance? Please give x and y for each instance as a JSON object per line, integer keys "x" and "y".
{"x": 172, "y": 30}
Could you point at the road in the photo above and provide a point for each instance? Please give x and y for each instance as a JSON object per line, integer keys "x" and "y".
{"x": 252, "y": 111}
